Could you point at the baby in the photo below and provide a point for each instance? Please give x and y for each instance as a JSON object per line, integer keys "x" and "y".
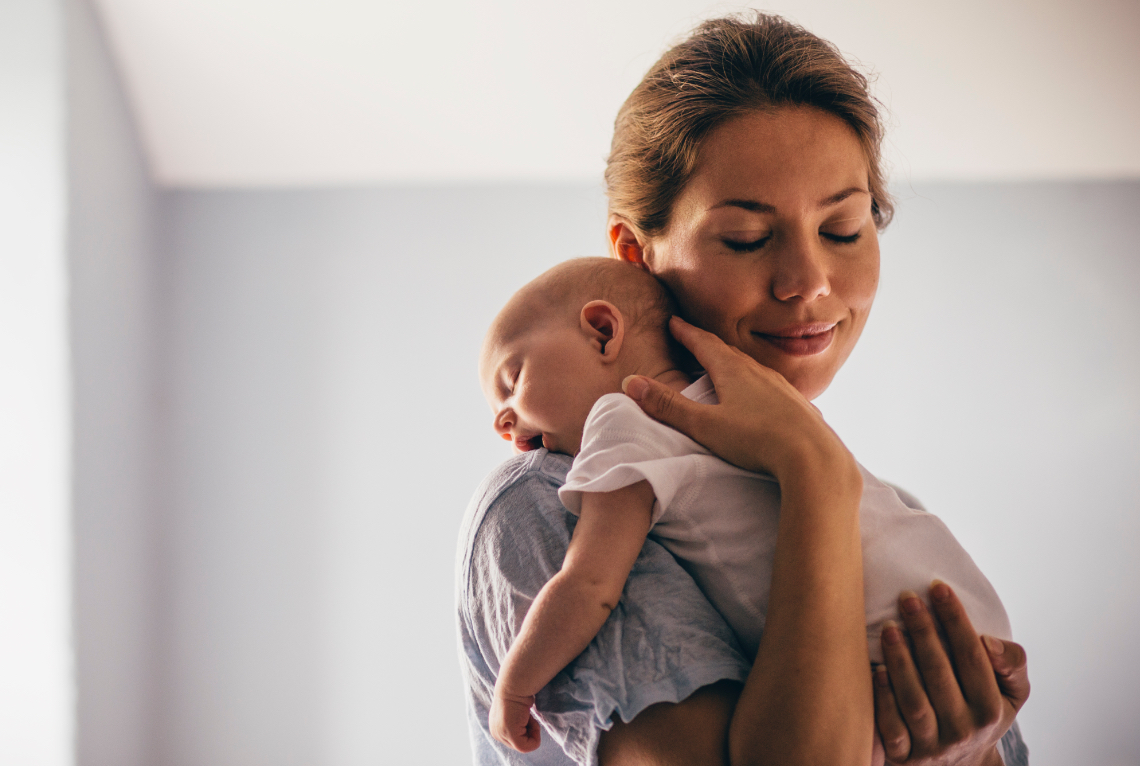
{"x": 552, "y": 368}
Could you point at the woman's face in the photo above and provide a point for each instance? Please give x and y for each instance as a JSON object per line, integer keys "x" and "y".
{"x": 771, "y": 245}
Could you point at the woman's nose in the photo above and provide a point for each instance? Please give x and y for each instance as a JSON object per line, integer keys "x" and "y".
{"x": 801, "y": 270}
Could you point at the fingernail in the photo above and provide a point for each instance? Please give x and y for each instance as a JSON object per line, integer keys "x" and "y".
{"x": 911, "y": 604}
{"x": 635, "y": 387}
{"x": 993, "y": 645}
{"x": 939, "y": 591}
{"x": 891, "y": 633}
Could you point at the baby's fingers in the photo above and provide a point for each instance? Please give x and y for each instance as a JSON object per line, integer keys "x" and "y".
{"x": 512, "y": 724}
{"x": 527, "y": 738}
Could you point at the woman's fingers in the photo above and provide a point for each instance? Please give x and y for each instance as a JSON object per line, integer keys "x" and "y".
{"x": 1010, "y": 668}
{"x": 663, "y": 403}
{"x": 762, "y": 423}
{"x": 906, "y": 683}
{"x": 955, "y": 721}
{"x": 893, "y": 733}
{"x": 950, "y": 698}
{"x": 707, "y": 347}
{"x": 975, "y": 673}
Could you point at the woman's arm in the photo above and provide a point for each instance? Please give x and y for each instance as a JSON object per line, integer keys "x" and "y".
{"x": 808, "y": 698}
{"x": 571, "y": 607}
{"x": 729, "y": 433}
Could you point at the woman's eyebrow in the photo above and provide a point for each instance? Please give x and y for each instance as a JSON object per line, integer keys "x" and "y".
{"x": 763, "y": 207}
{"x": 835, "y": 199}
{"x": 746, "y": 204}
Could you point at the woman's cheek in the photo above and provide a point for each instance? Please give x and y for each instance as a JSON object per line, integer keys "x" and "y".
{"x": 868, "y": 274}
{"x": 698, "y": 296}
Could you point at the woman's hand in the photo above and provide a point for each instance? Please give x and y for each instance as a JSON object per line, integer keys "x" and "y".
{"x": 808, "y": 699}
{"x": 926, "y": 713}
{"x": 762, "y": 423}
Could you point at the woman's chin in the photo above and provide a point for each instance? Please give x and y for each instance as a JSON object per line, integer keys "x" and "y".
{"x": 810, "y": 386}
{"x": 810, "y": 375}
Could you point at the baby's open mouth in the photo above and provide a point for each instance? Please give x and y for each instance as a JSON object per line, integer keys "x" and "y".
{"x": 526, "y": 444}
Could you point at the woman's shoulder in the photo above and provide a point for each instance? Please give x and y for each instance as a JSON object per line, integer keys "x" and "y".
{"x": 536, "y": 465}
{"x": 515, "y": 513}
{"x": 871, "y": 481}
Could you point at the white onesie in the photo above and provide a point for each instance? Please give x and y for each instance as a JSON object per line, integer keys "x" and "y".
{"x": 720, "y": 522}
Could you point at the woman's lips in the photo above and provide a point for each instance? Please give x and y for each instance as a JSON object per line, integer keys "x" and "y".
{"x": 800, "y": 340}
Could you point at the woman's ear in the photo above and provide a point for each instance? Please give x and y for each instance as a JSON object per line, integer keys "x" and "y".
{"x": 625, "y": 244}
{"x": 604, "y": 325}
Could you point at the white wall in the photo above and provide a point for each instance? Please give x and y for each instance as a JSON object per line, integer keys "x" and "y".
{"x": 112, "y": 272}
{"x": 36, "y": 693}
{"x": 999, "y": 379}
{"x": 328, "y": 430}
{"x": 263, "y": 545}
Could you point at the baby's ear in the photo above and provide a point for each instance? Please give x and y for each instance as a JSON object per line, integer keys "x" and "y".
{"x": 604, "y": 325}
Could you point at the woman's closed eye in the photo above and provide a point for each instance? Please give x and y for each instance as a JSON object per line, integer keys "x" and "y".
{"x": 844, "y": 239}
{"x": 745, "y": 246}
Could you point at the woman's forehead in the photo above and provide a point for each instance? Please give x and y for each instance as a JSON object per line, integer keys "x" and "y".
{"x": 795, "y": 155}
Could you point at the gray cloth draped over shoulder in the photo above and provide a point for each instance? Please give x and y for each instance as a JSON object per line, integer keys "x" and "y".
{"x": 662, "y": 642}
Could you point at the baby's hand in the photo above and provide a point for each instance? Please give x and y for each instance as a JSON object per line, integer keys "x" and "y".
{"x": 512, "y": 724}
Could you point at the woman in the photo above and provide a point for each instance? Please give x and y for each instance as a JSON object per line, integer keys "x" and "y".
{"x": 745, "y": 174}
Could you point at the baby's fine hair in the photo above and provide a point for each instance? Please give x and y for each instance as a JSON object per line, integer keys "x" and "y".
{"x": 645, "y": 303}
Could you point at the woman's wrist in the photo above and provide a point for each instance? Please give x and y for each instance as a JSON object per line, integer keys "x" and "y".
{"x": 993, "y": 758}
{"x": 819, "y": 466}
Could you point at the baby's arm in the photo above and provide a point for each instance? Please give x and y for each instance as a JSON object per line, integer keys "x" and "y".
{"x": 571, "y": 607}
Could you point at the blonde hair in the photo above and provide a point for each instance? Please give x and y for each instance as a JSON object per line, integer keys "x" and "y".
{"x": 725, "y": 68}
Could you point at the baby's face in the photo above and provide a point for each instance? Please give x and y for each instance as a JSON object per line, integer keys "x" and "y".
{"x": 541, "y": 385}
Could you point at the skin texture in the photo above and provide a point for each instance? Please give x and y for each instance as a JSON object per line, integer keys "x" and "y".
{"x": 772, "y": 239}
{"x": 542, "y": 367}
{"x": 541, "y": 382}
{"x": 798, "y": 257}
{"x": 808, "y": 697}
{"x": 966, "y": 705}
{"x": 571, "y": 607}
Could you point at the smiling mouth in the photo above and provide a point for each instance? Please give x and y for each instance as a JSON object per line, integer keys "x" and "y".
{"x": 805, "y": 340}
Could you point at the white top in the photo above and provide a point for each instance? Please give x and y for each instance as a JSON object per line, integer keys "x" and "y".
{"x": 720, "y": 522}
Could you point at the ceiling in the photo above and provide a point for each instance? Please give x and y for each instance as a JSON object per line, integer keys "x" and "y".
{"x": 331, "y": 92}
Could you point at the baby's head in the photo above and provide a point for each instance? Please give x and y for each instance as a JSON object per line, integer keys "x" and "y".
{"x": 566, "y": 339}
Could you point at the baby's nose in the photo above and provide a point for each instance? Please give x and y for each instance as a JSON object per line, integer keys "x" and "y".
{"x": 504, "y": 421}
